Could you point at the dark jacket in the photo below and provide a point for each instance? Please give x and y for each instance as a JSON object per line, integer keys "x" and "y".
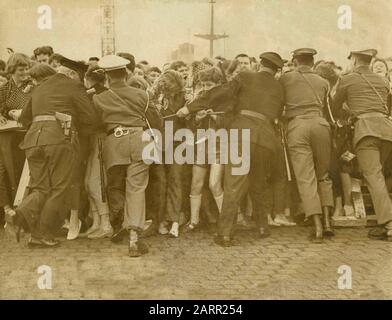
{"x": 305, "y": 92}
{"x": 258, "y": 92}
{"x": 56, "y": 94}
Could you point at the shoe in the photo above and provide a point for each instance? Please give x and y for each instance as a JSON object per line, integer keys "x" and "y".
{"x": 190, "y": 227}
{"x": 282, "y": 220}
{"x": 380, "y": 233}
{"x": 174, "y": 232}
{"x": 74, "y": 233}
{"x": 264, "y": 233}
{"x": 150, "y": 231}
{"x": 142, "y": 247}
{"x": 317, "y": 235}
{"x": 134, "y": 250}
{"x": 163, "y": 228}
{"x": 272, "y": 222}
{"x": 88, "y": 232}
{"x": 327, "y": 231}
{"x": 14, "y": 223}
{"x": 118, "y": 235}
{"x": 42, "y": 243}
{"x": 100, "y": 234}
{"x": 223, "y": 241}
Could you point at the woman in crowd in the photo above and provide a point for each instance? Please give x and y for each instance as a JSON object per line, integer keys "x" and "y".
{"x": 181, "y": 68}
{"x": 94, "y": 81}
{"x": 152, "y": 75}
{"x": 14, "y": 95}
{"x": 170, "y": 90}
{"x": 208, "y": 78}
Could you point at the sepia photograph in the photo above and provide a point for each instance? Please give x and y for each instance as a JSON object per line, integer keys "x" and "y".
{"x": 209, "y": 152}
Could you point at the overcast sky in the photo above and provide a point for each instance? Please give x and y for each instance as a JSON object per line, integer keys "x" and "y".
{"x": 150, "y": 29}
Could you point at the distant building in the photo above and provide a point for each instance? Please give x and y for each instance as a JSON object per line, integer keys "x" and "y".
{"x": 184, "y": 52}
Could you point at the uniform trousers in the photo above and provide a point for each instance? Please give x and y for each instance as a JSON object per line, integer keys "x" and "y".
{"x": 126, "y": 195}
{"x": 309, "y": 143}
{"x": 235, "y": 187}
{"x": 372, "y": 154}
{"x": 277, "y": 194}
{"x": 51, "y": 168}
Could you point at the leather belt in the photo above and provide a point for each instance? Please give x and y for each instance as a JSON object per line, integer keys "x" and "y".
{"x": 310, "y": 115}
{"x": 372, "y": 115}
{"x": 123, "y": 131}
{"x": 254, "y": 114}
{"x": 44, "y": 118}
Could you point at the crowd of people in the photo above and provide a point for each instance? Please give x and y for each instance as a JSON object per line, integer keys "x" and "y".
{"x": 80, "y": 127}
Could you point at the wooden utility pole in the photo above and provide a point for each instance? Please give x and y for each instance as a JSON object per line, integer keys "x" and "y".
{"x": 212, "y": 36}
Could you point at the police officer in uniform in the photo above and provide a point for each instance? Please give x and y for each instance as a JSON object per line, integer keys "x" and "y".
{"x": 309, "y": 139}
{"x": 258, "y": 101}
{"x": 368, "y": 98}
{"x": 123, "y": 113}
{"x": 52, "y": 150}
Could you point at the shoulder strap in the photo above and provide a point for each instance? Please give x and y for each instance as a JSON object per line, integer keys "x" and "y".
{"x": 148, "y": 102}
{"x": 312, "y": 88}
{"x": 117, "y": 96}
{"x": 375, "y": 90}
{"x": 332, "y": 118}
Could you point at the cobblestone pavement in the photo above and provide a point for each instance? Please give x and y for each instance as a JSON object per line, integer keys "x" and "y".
{"x": 284, "y": 266}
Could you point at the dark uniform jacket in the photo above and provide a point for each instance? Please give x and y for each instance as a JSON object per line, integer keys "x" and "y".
{"x": 361, "y": 99}
{"x": 258, "y": 92}
{"x": 56, "y": 94}
{"x": 124, "y": 106}
{"x": 305, "y": 92}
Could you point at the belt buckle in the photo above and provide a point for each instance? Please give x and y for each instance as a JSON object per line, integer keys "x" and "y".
{"x": 118, "y": 132}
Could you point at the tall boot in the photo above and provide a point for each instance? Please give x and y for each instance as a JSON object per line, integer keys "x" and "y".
{"x": 317, "y": 236}
{"x": 328, "y": 231}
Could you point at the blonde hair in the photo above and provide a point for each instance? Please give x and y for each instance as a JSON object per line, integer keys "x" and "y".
{"x": 17, "y": 60}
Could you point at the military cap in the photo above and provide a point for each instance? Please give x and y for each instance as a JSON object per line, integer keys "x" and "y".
{"x": 112, "y": 62}
{"x": 304, "y": 52}
{"x": 274, "y": 58}
{"x": 369, "y": 53}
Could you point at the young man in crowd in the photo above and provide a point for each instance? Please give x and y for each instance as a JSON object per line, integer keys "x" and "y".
{"x": 43, "y": 54}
